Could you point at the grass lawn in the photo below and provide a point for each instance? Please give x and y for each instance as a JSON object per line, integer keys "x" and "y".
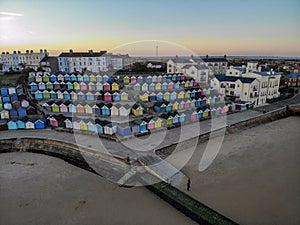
{"x": 9, "y": 79}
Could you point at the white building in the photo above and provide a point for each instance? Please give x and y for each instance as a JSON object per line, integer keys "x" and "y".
{"x": 244, "y": 89}
{"x": 79, "y": 61}
{"x": 18, "y": 61}
{"x": 114, "y": 61}
{"x": 199, "y": 72}
{"x": 216, "y": 66}
{"x": 236, "y": 71}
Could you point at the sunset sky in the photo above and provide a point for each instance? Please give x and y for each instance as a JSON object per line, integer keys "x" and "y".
{"x": 215, "y": 27}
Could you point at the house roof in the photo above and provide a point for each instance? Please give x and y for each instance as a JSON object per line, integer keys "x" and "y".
{"x": 296, "y": 75}
{"x": 234, "y": 79}
{"x": 221, "y": 59}
{"x": 267, "y": 73}
{"x": 82, "y": 54}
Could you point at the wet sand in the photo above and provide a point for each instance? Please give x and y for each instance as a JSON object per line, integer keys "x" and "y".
{"x": 38, "y": 189}
{"x": 255, "y": 178}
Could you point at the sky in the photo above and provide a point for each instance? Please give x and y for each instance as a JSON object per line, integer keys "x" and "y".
{"x": 214, "y": 27}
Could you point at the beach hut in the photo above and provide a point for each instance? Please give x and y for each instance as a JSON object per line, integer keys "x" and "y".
{"x": 22, "y": 112}
{"x": 177, "y": 85}
{"x": 124, "y": 96}
{"x": 49, "y": 86}
{"x": 164, "y": 86}
{"x": 83, "y": 86}
{"x": 60, "y": 95}
{"x": 105, "y": 78}
{"x": 38, "y": 95}
{"x": 76, "y": 86}
{"x": 29, "y": 124}
{"x": 76, "y": 125}
{"x": 154, "y": 79}
{"x": 53, "y": 78}
{"x": 206, "y": 113}
{"x": 159, "y": 96}
{"x": 152, "y": 97}
{"x": 79, "y": 78}
{"x": 63, "y": 108}
{"x": 38, "y": 79}
{"x": 70, "y": 86}
{"x": 143, "y": 126}
{"x": 88, "y": 109}
{"x": 115, "y": 87}
{"x": 181, "y": 105}
{"x": 181, "y": 118}
{"x": 32, "y": 86}
{"x": 56, "y": 86}
{"x": 169, "y": 77}
{"x": 137, "y": 110}
{"x": 12, "y": 125}
{"x": 53, "y": 122}
{"x": 1, "y": 106}
{"x": 4, "y": 91}
{"x": 167, "y": 118}
{"x": 126, "y": 80}
{"x": 137, "y": 87}
{"x": 93, "y": 78}
{"x": 144, "y": 87}
{"x": 40, "y": 124}
{"x": 55, "y": 108}
{"x": 167, "y": 96}
{"x": 11, "y": 90}
{"x": 7, "y": 106}
{"x": 159, "y": 78}
{"x": 99, "y": 126}
{"x": 99, "y": 86}
{"x": 4, "y": 115}
{"x": 96, "y": 110}
{"x": 110, "y": 129}
{"x": 46, "y": 78}
{"x": 132, "y": 79}
{"x": 68, "y": 124}
{"x": 90, "y": 96}
{"x": 140, "y": 79}
{"x": 66, "y": 95}
{"x": 60, "y": 78}
{"x": 20, "y": 124}
{"x": 81, "y": 96}
{"x": 72, "y": 108}
{"x": 193, "y": 94}
{"x": 181, "y": 95}
{"x": 124, "y": 129}
{"x": 80, "y": 109}
{"x": 158, "y": 86}
{"x": 187, "y": 94}
{"x": 116, "y": 96}
{"x": 158, "y": 123}
{"x": 105, "y": 110}
{"x": 74, "y": 95}
{"x": 148, "y": 79}
{"x": 150, "y": 124}
{"x": 173, "y": 96}
{"x": 99, "y": 78}
{"x": 203, "y": 101}
{"x": 187, "y": 104}
{"x": 86, "y": 78}
{"x": 144, "y": 97}
{"x": 151, "y": 87}
{"x": 169, "y": 107}
{"x": 91, "y": 127}
{"x": 83, "y": 125}
{"x": 107, "y": 96}
{"x": 175, "y": 106}
{"x": 170, "y": 86}
{"x": 160, "y": 107}
{"x": 91, "y": 86}
{"x": 194, "y": 115}
{"x": 46, "y": 94}
{"x": 73, "y": 78}
{"x": 13, "y": 113}
{"x": 106, "y": 87}
{"x": 114, "y": 110}
{"x": 175, "y": 118}
{"x": 124, "y": 110}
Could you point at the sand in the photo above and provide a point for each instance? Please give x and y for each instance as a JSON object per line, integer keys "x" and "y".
{"x": 38, "y": 189}
{"x": 255, "y": 178}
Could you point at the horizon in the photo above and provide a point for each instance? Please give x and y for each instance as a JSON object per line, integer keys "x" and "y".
{"x": 201, "y": 27}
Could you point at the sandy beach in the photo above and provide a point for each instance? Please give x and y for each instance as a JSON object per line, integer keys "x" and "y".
{"x": 256, "y": 175}
{"x": 37, "y": 189}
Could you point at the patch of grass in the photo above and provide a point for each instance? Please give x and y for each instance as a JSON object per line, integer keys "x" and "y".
{"x": 10, "y": 79}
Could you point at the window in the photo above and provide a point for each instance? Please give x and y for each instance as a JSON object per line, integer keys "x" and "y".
{"x": 245, "y": 93}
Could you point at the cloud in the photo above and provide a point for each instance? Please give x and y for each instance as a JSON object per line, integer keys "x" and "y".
{"x": 10, "y": 14}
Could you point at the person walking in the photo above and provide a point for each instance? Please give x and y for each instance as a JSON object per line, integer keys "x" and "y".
{"x": 188, "y": 186}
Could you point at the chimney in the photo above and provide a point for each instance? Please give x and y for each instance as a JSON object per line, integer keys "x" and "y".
{"x": 206, "y": 56}
{"x": 7, "y": 52}
{"x": 192, "y": 56}
{"x": 225, "y": 56}
{"x": 91, "y": 51}
{"x": 45, "y": 50}
{"x": 27, "y": 51}
{"x": 3, "y": 52}
{"x": 31, "y": 51}
{"x": 41, "y": 50}
{"x": 71, "y": 51}
{"x": 176, "y": 56}
{"x": 19, "y": 52}
{"x": 15, "y": 52}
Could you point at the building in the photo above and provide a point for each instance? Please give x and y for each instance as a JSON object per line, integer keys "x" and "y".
{"x": 49, "y": 64}
{"x": 70, "y": 62}
{"x": 114, "y": 62}
{"x": 236, "y": 71}
{"x": 293, "y": 80}
{"x": 199, "y": 72}
{"x": 175, "y": 65}
{"x": 18, "y": 61}
{"x": 241, "y": 88}
{"x": 216, "y": 65}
